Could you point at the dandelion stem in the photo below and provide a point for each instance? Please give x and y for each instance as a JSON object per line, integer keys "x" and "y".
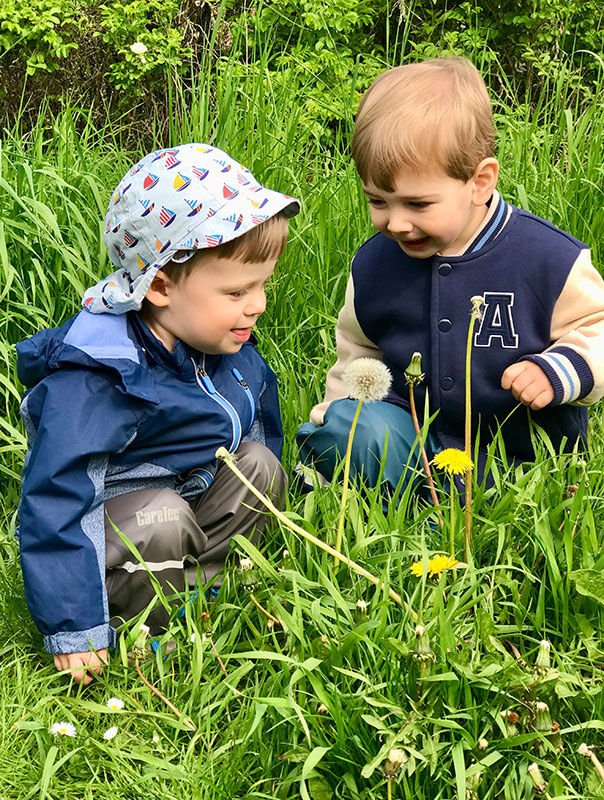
{"x": 266, "y": 613}
{"x": 452, "y": 531}
{"x": 186, "y": 722}
{"x": 424, "y": 455}
{"x": 477, "y": 302}
{"x": 229, "y": 461}
{"x": 220, "y": 661}
{"x": 389, "y": 784}
{"x": 344, "y": 497}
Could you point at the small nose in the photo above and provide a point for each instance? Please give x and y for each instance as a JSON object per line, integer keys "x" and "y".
{"x": 257, "y": 303}
{"x": 398, "y": 221}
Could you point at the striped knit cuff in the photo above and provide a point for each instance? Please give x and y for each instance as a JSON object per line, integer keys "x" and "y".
{"x": 567, "y": 371}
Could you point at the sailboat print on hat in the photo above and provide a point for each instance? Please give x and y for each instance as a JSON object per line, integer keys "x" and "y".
{"x": 228, "y": 192}
{"x": 225, "y": 167}
{"x": 116, "y": 224}
{"x": 148, "y": 207}
{"x": 136, "y": 168}
{"x": 214, "y": 240}
{"x": 166, "y": 217}
{"x": 204, "y": 149}
{"x": 210, "y": 213}
{"x": 129, "y": 239}
{"x": 258, "y": 203}
{"x": 161, "y": 247}
{"x": 191, "y": 244}
{"x": 150, "y": 181}
{"x": 237, "y": 219}
{"x": 170, "y": 159}
{"x": 119, "y": 251}
{"x": 195, "y": 207}
{"x": 181, "y": 181}
{"x": 141, "y": 262}
{"x": 199, "y": 172}
{"x": 108, "y": 225}
{"x": 242, "y": 179}
{"x": 120, "y": 193}
{"x": 257, "y": 219}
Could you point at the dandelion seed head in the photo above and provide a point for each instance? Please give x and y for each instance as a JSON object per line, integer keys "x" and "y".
{"x": 453, "y": 461}
{"x": 367, "y": 379}
{"x": 110, "y": 733}
{"x": 115, "y": 704}
{"x": 63, "y": 729}
{"x": 394, "y": 762}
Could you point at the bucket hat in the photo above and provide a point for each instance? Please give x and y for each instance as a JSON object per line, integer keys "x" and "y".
{"x": 172, "y": 203}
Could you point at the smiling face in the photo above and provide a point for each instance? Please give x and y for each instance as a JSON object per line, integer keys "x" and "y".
{"x": 429, "y": 213}
{"x": 213, "y": 308}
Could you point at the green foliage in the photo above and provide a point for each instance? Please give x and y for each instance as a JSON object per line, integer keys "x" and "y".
{"x": 41, "y": 31}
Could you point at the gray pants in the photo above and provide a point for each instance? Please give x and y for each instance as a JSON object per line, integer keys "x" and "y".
{"x": 175, "y": 535}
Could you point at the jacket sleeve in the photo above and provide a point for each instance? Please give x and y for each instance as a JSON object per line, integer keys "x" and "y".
{"x": 74, "y": 419}
{"x": 351, "y": 343}
{"x": 266, "y": 427}
{"x": 574, "y": 363}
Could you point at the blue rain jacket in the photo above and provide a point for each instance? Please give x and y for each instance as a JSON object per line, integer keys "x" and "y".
{"x": 111, "y": 410}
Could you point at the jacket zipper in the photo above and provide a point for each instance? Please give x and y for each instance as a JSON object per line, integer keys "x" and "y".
{"x": 205, "y": 382}
{"x": 247, "y": 390}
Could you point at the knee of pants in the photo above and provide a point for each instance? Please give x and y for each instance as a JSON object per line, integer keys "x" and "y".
{"x": 155, "y": 521}
{"x": 262, "y": 467}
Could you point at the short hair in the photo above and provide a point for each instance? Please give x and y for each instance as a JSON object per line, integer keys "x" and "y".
{"x": 263, "y": 241}
{"x": 435, "y": 113}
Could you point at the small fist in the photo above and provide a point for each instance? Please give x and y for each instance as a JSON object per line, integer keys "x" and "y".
{"x": 529, "y": 384}
{"x": 82, "y": 664}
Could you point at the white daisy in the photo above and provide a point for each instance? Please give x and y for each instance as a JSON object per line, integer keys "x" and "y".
{"x": 115, "y": 704}
{"x": 110, "y": 733}
{"x": 63, "y": 729}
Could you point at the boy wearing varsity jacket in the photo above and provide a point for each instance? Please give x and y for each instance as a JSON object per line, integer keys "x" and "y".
{"x": 423, "y": 145}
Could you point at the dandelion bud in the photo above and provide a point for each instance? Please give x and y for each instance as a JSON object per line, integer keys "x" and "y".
{"x": 246, "y": 575}
{"x": 322, "y": 647}
{"x": 556, "y": 738}
{"x": 542, "y": 662}
{"x": 422, "y": 651}
{"x": 472, "y": 784}
{"x": 206, "y": 623}
{"x": 322, "y": 709}
{"x": 367, "y": 379}
{"x": 394, "y": 762}
{"x": 543, "y": 720}
{"x": 141, "y": 639}
{"x": 510, "y": 718}
{"x": 477, "y": 304}
{"x": 571, "y": 490}
{"x": 539, "y": 783}
{"x": 413, "y": 373}
{"x": 360, "y": 612}
{"x": 483, "y": 744}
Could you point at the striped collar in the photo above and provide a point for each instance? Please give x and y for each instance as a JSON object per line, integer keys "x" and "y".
{"x": 491, "y": 226}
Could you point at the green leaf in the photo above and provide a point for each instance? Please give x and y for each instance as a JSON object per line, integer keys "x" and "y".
{"x": 590, "y": 583}
{"x": 313, "y": 759}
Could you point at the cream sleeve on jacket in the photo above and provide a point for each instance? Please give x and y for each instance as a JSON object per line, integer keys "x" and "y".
{"x": 577, "y": 325}
{"x": 351, "y": 343}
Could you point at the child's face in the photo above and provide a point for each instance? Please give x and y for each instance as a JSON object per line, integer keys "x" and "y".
{"x": 427, "y": 213}
{"x": 214, "y": 308}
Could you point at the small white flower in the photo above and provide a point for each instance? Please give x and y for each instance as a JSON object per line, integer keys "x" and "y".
{"x": 115, "y": 704}
{"x": 138, "y": 48}
{"x": 367, "y": 379}
{"x": 110, "y": 733}
{"x": 155, "y": 739}
{"x": 192, "y": 639}
{"x": 63, "y": 729}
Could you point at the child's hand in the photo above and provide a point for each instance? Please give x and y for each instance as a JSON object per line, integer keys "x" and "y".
{"x": 82, "y": 664}
{"x": 529, "y": 384}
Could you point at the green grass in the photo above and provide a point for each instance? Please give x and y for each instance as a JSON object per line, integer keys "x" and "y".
{"x": 260, "y": 729}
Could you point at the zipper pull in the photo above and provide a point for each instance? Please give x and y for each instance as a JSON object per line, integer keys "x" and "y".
{"x": 239, "y": 376}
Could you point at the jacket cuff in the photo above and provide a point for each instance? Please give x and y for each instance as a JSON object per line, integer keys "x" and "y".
{"x": 80, "y": 641}
{"x": 567, "y": 371}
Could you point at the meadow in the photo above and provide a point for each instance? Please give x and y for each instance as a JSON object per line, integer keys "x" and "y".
{"x": 312, "y": 708}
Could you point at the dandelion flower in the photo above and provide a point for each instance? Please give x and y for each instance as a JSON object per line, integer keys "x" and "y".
{"x": 367, "y": 379}
{"x": 63, "y": 729}
{"x": 436, "y": 566}
{"x": 138, "y": 48}
{"x": 110, "y": 733}
{"x": 453, "y": 461}
{"x": 115, "y": 704}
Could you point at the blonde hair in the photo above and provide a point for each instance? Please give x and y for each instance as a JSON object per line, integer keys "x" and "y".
{"x": 436, "y": 113}
{"x": 257, "y": 245}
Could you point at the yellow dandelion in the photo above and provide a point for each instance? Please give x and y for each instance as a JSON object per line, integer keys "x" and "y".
{"x": 436, "y": 566}
{"x": 453, "y": 461}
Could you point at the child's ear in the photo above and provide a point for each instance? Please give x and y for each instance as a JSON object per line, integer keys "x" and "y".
{"x": 158, "y": 294}
{"x": 485, "y": 180}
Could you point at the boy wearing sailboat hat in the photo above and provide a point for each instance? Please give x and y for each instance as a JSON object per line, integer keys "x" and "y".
{"x": 129, "y": 400}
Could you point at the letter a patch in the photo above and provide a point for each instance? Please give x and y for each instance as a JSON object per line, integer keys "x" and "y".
{"x": 497, "y": 321}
